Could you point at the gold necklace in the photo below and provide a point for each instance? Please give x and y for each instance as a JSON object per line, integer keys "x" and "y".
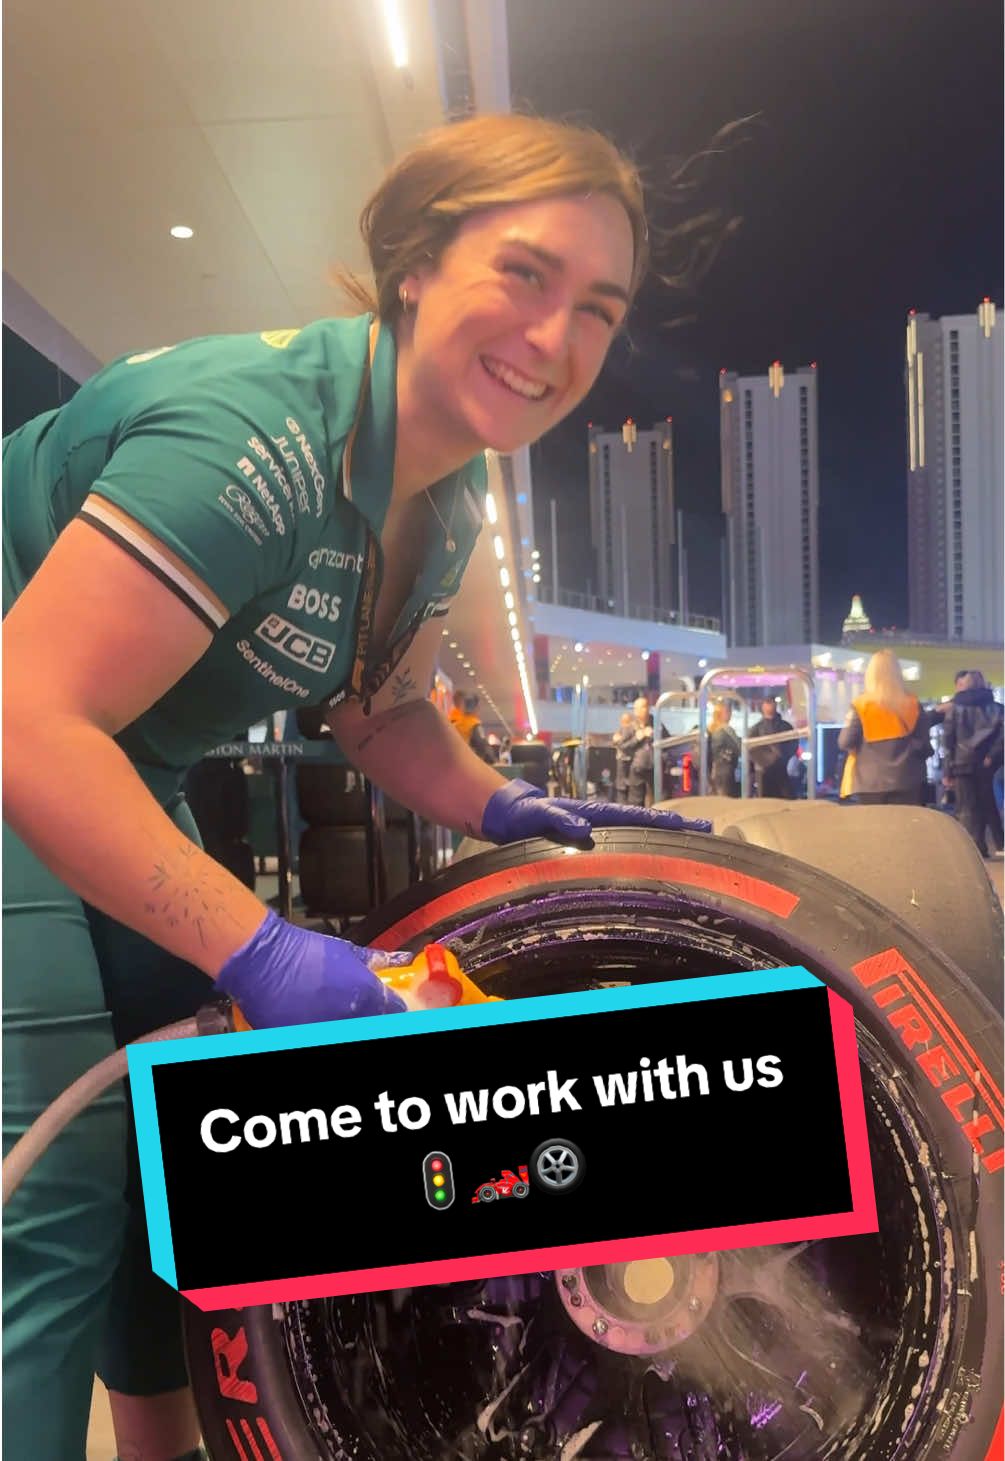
{"x": 450, "y": 544}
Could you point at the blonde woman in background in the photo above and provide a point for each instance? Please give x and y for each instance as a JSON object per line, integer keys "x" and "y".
{"x": 723, "y": 751}
{"x": 887, "y": 733}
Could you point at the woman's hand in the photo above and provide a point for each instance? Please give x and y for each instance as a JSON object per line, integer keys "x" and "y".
{"x": 519, "y": 810}
{"x": 285, "y": 975}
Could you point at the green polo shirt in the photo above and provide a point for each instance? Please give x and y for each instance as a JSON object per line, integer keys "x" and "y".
{"x": 228, "y": 449}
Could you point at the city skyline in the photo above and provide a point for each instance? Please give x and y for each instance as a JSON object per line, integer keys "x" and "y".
{"x": 856, "y": 206}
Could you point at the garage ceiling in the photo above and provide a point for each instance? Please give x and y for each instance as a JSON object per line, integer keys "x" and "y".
{"x": 261, "y": 125}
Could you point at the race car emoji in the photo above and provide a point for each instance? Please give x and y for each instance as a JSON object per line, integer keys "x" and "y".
{"x": 510, "y": 1184}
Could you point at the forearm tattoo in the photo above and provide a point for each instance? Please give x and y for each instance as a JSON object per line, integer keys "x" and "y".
{"x": 403, "y": 686}
{"x": 388, "y": 720}
{"x": 187, "y": 887}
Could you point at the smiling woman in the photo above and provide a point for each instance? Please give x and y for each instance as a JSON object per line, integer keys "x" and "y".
{"x": 238, "y": 525}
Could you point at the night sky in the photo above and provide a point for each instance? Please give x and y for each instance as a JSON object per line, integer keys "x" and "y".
{"x": 871, "y": 184}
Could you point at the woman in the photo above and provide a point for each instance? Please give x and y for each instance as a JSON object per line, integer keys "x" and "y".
{"x": 888, "y": 734}
{"x": 207, "y": 534}
{"x": 723, "y": 751}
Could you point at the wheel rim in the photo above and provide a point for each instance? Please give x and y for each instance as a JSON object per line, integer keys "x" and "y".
{"x": 833, "y": 1349}
{"x": 558, "y": 1167}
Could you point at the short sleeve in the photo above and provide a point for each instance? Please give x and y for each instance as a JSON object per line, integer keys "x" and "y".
{"x": 212, "y": 491}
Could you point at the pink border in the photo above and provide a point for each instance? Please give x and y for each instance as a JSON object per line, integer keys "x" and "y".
{"x": 861, "y": 1219}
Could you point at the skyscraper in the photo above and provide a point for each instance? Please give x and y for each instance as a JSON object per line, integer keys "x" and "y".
{"x": 953, "y": 380}
{"x": 632, "y": 519}
{"x": 770, "y": 492}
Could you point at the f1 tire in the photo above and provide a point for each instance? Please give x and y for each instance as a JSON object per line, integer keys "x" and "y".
{"x": 532, "y": 919}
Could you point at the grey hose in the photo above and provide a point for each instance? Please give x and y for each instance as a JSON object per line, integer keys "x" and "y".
{"x": 42, "y": 1133}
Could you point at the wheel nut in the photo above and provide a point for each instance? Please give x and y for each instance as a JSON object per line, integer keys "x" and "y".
{"x": 694, "y": 1304}
{"x": 570, "y": 1281}
{"x": 576, "y": 1300}
{"x": 600, "y": 1326}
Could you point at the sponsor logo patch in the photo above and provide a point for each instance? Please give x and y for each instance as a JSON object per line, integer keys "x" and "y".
{"x": 309, "y": 650}
{"x": 269, "y": 672}
{"x": 335, "y": 558}
{"x": 279, "y": 339}
{"x": 313, "y": 601}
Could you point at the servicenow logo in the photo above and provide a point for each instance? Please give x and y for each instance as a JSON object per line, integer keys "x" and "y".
{"x": 309, "y": 650}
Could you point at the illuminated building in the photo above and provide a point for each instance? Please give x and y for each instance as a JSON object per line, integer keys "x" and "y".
{"x": 953, "y": 382}
{"x": 632, "y": 520}
{"x": 770, "y": 491}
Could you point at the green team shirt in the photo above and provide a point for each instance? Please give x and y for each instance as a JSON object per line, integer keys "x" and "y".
{"x": 228, "y": 449}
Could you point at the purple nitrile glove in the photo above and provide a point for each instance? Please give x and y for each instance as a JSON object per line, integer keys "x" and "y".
{"x": 286, "y": 975}
{"x": 518, "y": 810}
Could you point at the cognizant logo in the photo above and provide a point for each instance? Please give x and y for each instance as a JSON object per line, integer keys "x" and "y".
{"x": 269, "y": 672}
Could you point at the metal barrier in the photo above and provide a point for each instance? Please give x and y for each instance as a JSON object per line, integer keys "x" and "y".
{"x": 664, "y": 743}
{"x": 768, "y": 676}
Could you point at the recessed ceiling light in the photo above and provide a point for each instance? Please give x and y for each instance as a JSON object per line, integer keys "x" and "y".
{"x": 182, "y": 230}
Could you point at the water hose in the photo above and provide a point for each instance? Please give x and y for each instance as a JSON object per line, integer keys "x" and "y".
{"x": 433, "y": 980}
{"x": 94, "y": 1082}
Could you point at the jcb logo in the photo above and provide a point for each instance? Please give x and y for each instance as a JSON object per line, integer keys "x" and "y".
{"x": 306, "y": 649}
{"x": 312, "y": 601}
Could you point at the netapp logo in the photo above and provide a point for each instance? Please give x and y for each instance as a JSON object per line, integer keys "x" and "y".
{"x": 312, "y": 601}
{"x": 308, "y": 650}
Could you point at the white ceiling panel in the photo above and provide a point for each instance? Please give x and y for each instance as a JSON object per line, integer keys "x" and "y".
{"x": 261, "y": 125}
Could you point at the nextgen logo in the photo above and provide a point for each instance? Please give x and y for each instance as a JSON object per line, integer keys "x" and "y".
{"x": 312, "y": 601}
{"x": 305, "y": 649}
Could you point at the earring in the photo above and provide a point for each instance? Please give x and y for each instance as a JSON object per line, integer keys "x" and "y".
{"x": 403, "y": 296}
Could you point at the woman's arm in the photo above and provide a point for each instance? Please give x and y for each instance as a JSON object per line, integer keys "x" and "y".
{"x": 410, "y": 750}
{"x": 91, "y": 643}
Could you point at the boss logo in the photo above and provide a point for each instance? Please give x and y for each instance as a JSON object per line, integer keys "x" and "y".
{"x": 313, "y": 601}
{"x": 306, "y": 649}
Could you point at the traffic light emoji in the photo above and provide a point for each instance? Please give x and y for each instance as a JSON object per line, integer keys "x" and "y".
{"x": 438, "y": 1177}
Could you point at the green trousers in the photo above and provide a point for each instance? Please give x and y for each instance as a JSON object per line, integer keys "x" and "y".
{"x": 79, "y": 1296}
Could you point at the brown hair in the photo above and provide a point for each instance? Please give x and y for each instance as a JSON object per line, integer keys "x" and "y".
{"x": 486, "y": 161}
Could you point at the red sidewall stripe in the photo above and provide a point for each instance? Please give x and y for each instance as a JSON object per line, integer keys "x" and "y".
{"x": 682, "y": 871}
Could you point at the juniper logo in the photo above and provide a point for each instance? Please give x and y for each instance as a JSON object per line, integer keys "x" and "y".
{"x": 309, "y": 650}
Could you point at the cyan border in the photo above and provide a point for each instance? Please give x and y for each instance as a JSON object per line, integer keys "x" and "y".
{"x": 148, "y": 1141}
{"x": 143, "y": 1058}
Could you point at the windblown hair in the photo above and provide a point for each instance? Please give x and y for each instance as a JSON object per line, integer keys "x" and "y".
{"x": 484, "y": 162}
{"x": 884, "y": 683}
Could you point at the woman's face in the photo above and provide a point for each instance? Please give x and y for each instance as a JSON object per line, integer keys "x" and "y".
{"x": 510, "y": 331}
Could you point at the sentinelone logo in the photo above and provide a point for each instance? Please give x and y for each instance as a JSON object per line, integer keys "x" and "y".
{"x": 268, "y": 672}
{"x": 305, "y": 649}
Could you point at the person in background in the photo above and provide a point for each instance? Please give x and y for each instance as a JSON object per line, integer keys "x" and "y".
{"x": 888, "y": 734}
{"x": 469, "y": 727}
{"x": 771, "y": 762}
{"x": 723, "y": 751}
{"x": 622, "y": 760}
{"x": 456, "y": 711}
{"x": 972, "y": 742}
{"x": 638, "y": 746}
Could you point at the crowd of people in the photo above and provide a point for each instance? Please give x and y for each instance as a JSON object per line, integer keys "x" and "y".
{"x": 885, "y": 744}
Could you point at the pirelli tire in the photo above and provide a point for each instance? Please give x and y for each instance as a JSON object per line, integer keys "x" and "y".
{"x": 918, "y": 862}
{"x": 930, "y": 1039}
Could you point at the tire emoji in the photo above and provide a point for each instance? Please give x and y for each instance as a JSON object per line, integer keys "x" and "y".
{"x": 487, "y": 1193}
{"x": 520, "y": 1190}
{"x": 557, "y": 1165}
